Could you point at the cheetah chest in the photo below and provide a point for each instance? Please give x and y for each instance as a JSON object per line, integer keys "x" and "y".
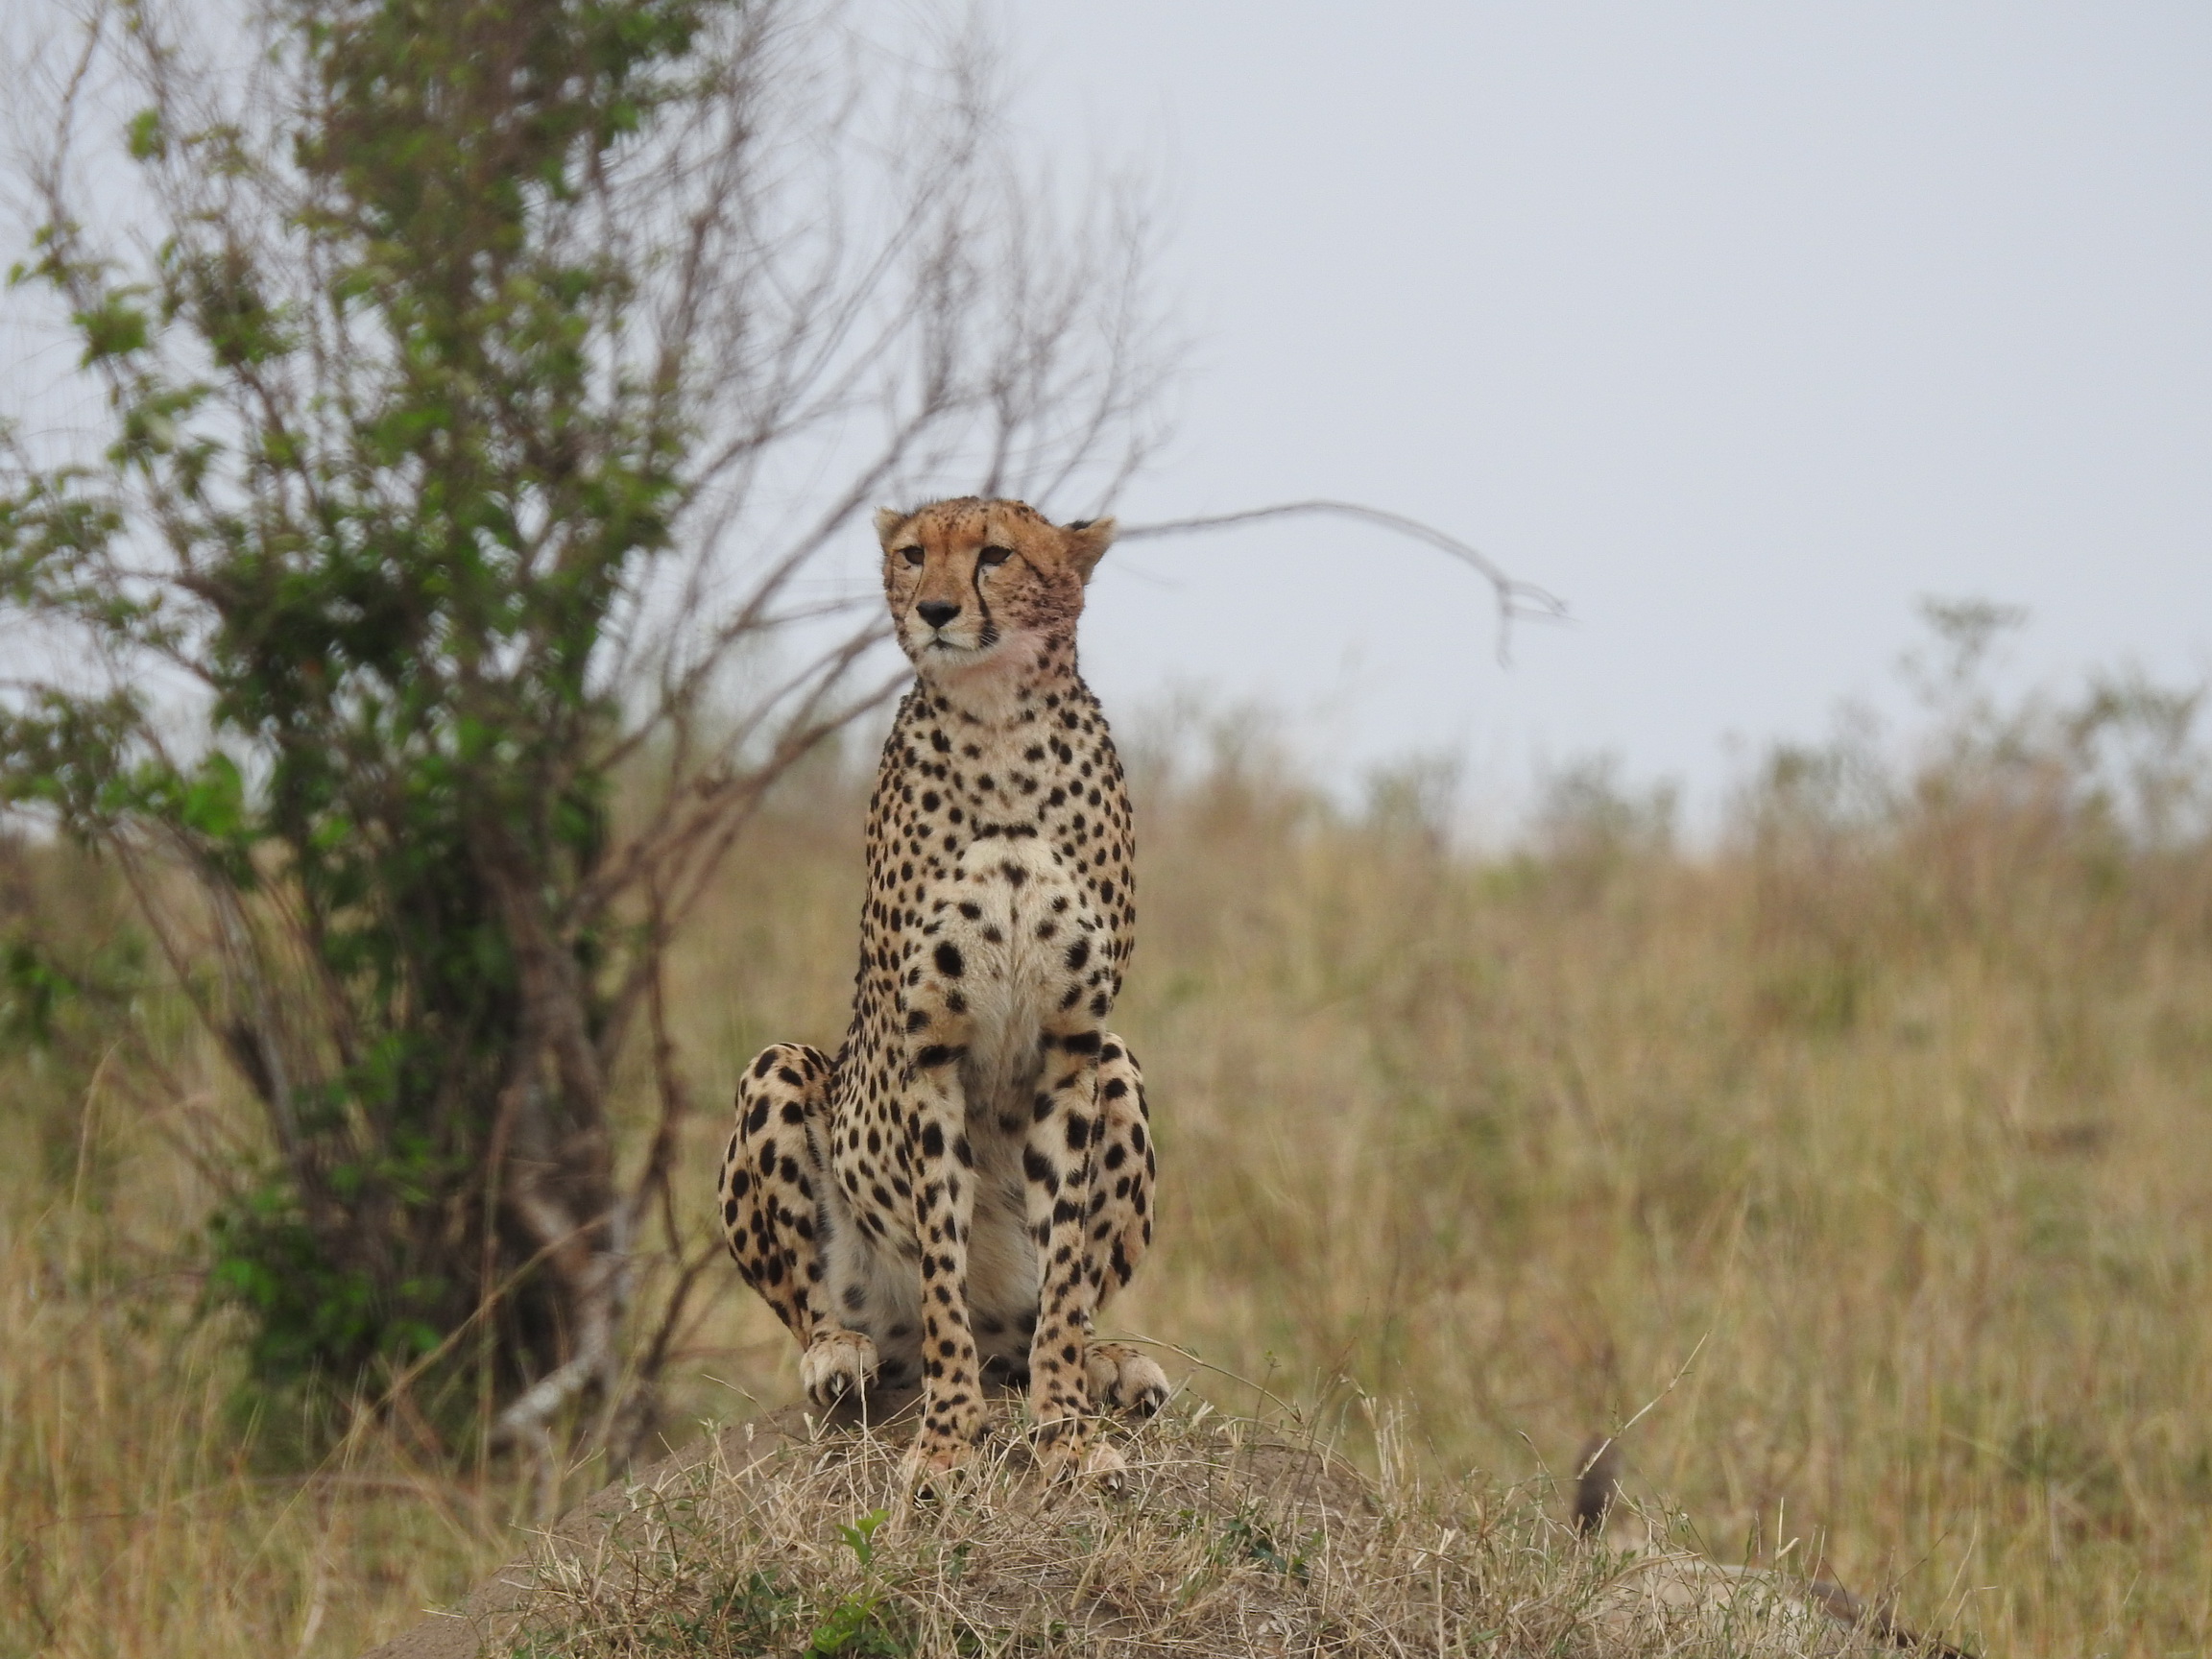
{"x": 1010, "y": 942}
{"x": 1030, "y": 950}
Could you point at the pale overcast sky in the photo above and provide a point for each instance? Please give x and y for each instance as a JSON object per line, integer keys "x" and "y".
{"x": 1740, "y": 325}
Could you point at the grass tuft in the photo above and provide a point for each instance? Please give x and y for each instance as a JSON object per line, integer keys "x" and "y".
{"x": 1229, "y": 1536}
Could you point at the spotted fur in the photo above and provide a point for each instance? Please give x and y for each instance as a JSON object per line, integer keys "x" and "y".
{"x": 960, "y": 1190}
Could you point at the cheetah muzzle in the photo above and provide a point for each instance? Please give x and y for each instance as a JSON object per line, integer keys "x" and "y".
{"x": 959, "y": 1190}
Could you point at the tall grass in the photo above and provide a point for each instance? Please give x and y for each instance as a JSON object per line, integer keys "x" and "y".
{"x": 1863, "y": 1153}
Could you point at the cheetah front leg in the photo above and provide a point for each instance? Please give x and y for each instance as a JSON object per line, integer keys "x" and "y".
{"x": 772, "y": 1196}
{"x": 1123, "y": 1182}
{"x": 1060, "y": 1161}
{"x": 944, "y": 1179}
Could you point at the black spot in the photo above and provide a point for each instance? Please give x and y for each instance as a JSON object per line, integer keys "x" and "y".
{"x": 1079, "y": 953}
{"x": 1078, "y": 1132}
{"x": 1039, "y": 1169}
{"x": 948, "y": 962}
{"x": 932, "y": 1140}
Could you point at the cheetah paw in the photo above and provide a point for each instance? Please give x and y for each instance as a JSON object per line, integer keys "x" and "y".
{"x": 934, "y": 1470}
{"x": 1083, "y": 1457}
{"x": 836, "y": 1363}
{"x": 1105, "y": 1468}
{"x": 1118, "y": 1376}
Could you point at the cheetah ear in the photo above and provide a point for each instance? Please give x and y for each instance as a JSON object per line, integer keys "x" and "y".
{"x": 1087, "y": 541}
{"x": 888, "y": 522}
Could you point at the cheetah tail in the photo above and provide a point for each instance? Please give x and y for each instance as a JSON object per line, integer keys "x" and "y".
{"x": 1596, "y": 1485}
{"x": 1879, "y": 1621}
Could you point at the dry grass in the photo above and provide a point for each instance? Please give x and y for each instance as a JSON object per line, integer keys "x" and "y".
{"x": 1227, "y": 1537}
{"x": 1874, "y": 1154}
{"x": 140, "y": 1513}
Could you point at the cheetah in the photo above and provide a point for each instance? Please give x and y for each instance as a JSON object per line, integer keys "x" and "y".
{"x": 955, "y": 1195}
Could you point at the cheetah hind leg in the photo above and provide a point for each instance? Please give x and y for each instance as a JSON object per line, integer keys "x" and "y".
{"x": 1115, "y": 1375}
{"x": 773, "y": 1220}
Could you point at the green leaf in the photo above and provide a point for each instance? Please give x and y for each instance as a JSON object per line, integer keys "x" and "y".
{"x": 147, "y": 141}
{"x": 215, "y": 801}
{"x": 111, "y": 328}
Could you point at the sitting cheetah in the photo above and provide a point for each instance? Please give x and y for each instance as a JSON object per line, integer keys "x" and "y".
{"x": 959, "y": 1190}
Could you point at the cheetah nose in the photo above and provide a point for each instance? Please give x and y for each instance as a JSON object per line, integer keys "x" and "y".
{"x": 937, "y": 612}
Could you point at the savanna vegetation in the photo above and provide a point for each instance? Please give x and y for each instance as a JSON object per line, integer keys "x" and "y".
{"x": 470, "y": 392}
{"x": 1859, "y": 1151}
{"x": 432, "y": 767}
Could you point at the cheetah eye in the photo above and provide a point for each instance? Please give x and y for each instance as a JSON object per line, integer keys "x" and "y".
{"x": 994, "y": 556}
{"x": 912, "y": 555}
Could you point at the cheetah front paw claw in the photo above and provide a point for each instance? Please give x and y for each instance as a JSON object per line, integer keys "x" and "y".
{"x": 1069, "y": 1449}
{"x": 1105, "y": 1468}
{"x": 836, "y": 1364}
{"x": 1096, "y": 1464}
{"x": 933, "y": 1472}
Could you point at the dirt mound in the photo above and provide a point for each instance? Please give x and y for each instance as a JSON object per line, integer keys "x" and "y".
{"x": 792, "y": 1535}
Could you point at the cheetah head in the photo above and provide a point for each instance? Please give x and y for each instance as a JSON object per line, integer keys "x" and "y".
{"x": 978, "y": 585}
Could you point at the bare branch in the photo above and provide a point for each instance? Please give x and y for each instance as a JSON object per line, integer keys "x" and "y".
{"x": 1518, "y": 601}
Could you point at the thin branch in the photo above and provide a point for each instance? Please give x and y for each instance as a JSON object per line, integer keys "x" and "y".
{"x": 1518, "y": 601}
